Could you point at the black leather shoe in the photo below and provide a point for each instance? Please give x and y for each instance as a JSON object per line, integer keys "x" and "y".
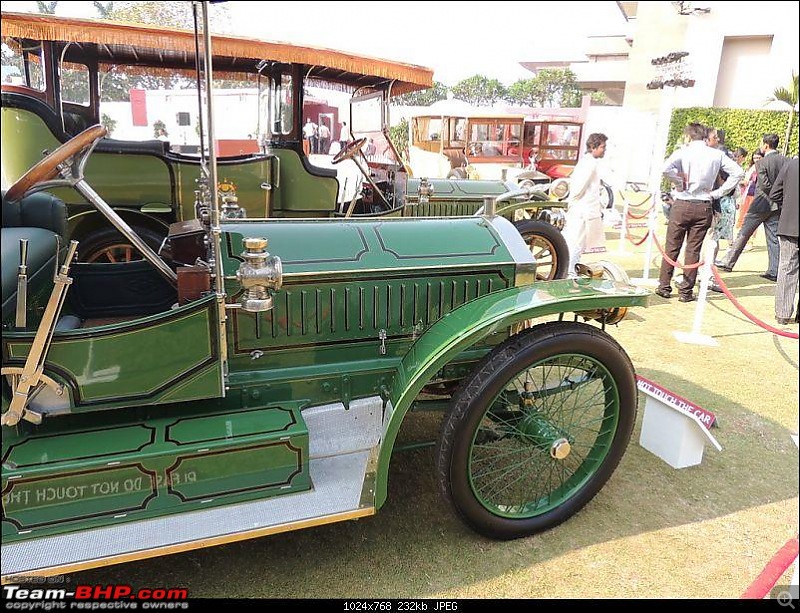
{"x": 715, "y": 288}
{"x": 664, "y": 293}
{"x": 723, "y": 267}
{"x": 768, "y": 277}
{"x": 784, "y": 321}
{"x": 686, "y": 298}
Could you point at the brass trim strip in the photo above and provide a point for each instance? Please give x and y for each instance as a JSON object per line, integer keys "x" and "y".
{"x": 359, "y": 271}
{"x": 199, "y": 544}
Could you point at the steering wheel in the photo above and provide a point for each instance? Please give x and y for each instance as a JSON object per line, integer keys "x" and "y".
{"x": 350, "y": 150}
{"x": 79, "y": 146}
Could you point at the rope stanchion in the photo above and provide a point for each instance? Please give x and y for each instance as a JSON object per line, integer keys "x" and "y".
{"x": 695, "y": 337}
{"x": 645, "y": 280}
{"x": 673, "y": 263}
{"x": 746, "y": 313}
{"x": 623, "y": 228}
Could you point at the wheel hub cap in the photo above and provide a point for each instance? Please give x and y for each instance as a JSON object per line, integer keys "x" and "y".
{"x": 560, "y": 449}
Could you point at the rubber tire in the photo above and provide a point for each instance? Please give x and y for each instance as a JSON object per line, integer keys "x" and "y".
{"x": 482, "y": 386}
{"x": 608, "y": 193}
{"x": 528, "y": 228}
{"x": 457, "y": 173}
{"x": 105, "y": 237}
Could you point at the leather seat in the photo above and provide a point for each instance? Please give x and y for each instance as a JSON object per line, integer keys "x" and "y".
{"x": 42, "y": 219}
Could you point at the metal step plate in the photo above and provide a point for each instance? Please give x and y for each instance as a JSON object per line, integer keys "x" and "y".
{"x": 344, "y": 444}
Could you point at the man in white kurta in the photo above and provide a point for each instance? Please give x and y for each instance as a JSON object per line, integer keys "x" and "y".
{"x": 584, "y": 222}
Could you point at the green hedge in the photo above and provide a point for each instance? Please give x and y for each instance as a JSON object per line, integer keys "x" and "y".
{"x": 743, "y": 127}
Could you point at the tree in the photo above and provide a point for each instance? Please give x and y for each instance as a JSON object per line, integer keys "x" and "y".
{"x": 479, "y": 90}
{"x": 425, "y": 97}
{"x": 47, "y": 8}
{"x": 399, "y": 137}
{"x": 787, "y": 96}
{"x": 159, "y": 128}
{"x": 525, "y": 92}
{"x": 115, "y": 85}
{"x": 108, "y": 123}
{"x": 105, "y": 10}
{"x": 168, "y": 14}
{"x": 550, "y": 87}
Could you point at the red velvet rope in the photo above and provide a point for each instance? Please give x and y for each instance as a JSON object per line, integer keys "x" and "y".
{"x": 637, "y": 242}
{"x": 675, "y": 264}
{"x": 745, "y": 312}
{"x": 773, "y": 571}
{"x": 641, "y": 204}
{"x": 646, "y": 213}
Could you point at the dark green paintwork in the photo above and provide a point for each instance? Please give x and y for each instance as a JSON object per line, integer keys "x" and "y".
{"x": 75, "y": 473}
{"x": 169, "y": 182}
{"x": 168, "y": 357}
{"x": 397, "y": 275}
{"x": 474, "y": 321}
{"x": 247, "y": 175}
{"x": 25, "y": 136}
{"x": 362, "y": 246}
{"x": 441, "y": 289}
{"x": 300, "y": 194}
{"x": 511, "y": 471}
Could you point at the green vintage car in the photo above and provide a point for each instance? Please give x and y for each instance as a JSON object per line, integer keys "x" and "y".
{"x": 74, "y": 73}
{"x": 217, "y": 391}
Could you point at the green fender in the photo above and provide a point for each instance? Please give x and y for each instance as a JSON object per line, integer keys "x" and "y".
{"x": 475, "y": 320}
{"x": 509, "y": 207}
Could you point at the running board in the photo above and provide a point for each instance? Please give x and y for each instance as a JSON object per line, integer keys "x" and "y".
{"x": 344, "y": 445}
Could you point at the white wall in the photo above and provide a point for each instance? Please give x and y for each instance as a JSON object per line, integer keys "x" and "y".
{"x": 630, "y": 134}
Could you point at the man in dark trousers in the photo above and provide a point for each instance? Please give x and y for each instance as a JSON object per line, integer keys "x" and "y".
{"x": 785, "y": 190}
{"x": 762, "y": 210}
{"x": 693, "y": 169}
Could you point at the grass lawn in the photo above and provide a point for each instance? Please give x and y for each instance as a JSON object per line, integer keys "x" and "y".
{"x": 653, "y": 531}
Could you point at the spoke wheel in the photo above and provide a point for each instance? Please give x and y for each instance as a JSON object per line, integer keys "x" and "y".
{"x": 113, "y": 254}
{"x": 536, "y": 431}
{"x": 108, "y": 246}
{"x": 548, "y": 247}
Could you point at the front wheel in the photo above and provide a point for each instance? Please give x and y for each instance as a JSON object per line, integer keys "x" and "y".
{"x": 537, "y": 429}
{"x": 548, "y": 247}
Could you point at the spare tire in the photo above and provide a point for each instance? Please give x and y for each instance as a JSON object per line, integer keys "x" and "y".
{"x": 548, "y": 246}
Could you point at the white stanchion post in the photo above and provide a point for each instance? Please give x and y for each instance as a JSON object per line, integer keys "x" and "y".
{"x": 623, "y": 228}
{"x": 695, "y": 337}
{"x": 645, "y": 280}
